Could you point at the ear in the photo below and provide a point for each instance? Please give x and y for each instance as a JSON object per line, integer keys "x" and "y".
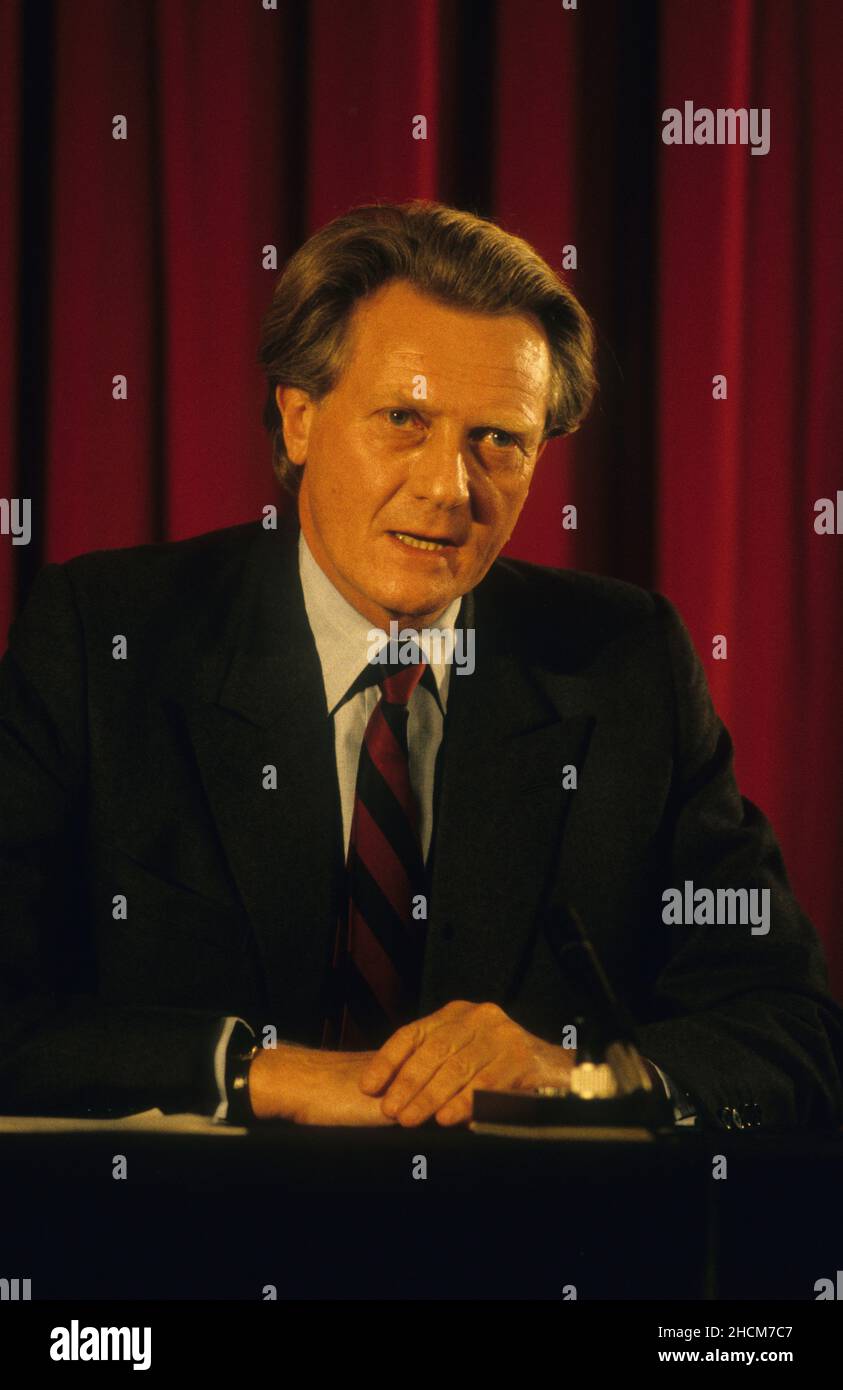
{"x": 296, "y": 410}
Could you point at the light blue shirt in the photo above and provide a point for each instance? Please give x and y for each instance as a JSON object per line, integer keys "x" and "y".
{"x": 342, "y": 637}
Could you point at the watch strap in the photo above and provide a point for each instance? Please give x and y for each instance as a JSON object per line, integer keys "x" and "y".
{"x": 240, "y": 1053}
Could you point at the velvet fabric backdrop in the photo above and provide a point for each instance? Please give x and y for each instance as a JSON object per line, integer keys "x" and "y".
{"x": 250, "y": 126}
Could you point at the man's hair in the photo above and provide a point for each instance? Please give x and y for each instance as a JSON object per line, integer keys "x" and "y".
{"x": 463, "y": 261}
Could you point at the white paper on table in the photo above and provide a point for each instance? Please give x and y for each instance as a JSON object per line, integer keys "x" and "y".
{"x": 147, "y": 1121}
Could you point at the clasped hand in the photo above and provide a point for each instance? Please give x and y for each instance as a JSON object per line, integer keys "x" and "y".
{"x": 428, "y": 1068}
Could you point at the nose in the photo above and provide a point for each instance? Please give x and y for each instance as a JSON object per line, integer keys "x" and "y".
{"x": 438, "y": 472}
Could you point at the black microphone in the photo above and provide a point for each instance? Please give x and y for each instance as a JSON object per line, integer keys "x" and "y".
{"x": 607, "y": 1020}
{"x": 610, "y": 1085}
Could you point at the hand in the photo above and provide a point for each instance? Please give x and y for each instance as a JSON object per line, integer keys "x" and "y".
{"x": 433, "y": 1066}
{"x": 312, "y": 1087}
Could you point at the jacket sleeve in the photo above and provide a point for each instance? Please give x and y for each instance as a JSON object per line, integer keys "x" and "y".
{"x": 63, "y": 1050}
{"x": 741, "y": 1021}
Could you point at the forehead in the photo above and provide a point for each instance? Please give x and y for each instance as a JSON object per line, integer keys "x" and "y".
{"x": 399, "y": 333}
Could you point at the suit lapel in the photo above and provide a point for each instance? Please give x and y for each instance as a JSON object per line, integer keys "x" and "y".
{"x": 502, "y": 805}
{"x": 283, "y": 846}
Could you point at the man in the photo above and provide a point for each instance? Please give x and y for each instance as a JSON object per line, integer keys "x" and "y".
{"x": 221, "y": 817}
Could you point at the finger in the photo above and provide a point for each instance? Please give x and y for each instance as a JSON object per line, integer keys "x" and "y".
{"x": 389, "y": 1058}
{"x": 452, "y": 1077}
{"x": 404, "y": 1042}
{"x": 423, "y": 1064}
{"x": 460, "y": 1108}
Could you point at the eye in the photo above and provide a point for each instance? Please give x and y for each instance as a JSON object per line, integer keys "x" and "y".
{"x": 405, "y": 416}
{"x": 502, "y": 439}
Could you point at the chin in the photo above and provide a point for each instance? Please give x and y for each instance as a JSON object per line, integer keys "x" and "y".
{"x": 417, "y": 600}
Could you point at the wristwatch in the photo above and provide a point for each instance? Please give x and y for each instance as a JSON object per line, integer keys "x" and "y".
{"x": 241, "y": 1051}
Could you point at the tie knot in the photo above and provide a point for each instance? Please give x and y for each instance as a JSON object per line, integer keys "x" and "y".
{"x": 398, "y": 688}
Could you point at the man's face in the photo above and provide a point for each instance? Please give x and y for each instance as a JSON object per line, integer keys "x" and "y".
{"x": 432, "y": 432}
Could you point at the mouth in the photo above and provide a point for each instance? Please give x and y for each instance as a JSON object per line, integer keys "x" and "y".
{"x": 419, "y": 542}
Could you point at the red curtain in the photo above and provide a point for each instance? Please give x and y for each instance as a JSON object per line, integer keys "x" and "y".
{"x": 248, "y": 127}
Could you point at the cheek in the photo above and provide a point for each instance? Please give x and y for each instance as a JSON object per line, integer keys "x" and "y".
{"x": 506, "y": 506}
{"x": 354, "y": 469}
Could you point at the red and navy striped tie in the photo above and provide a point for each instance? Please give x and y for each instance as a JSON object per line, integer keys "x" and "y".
{"x": 380, "y": 944}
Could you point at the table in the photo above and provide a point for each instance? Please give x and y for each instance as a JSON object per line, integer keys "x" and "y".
{"x": 338, "y": 1213}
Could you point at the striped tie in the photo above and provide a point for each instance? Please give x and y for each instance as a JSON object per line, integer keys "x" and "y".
{"x": 379, "y": 947}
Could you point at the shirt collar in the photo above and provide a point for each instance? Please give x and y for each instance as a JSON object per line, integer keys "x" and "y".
{"x": 341, "y": 633}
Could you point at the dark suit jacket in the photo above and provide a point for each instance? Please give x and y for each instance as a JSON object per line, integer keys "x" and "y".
{"x": 143, "y": 777}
